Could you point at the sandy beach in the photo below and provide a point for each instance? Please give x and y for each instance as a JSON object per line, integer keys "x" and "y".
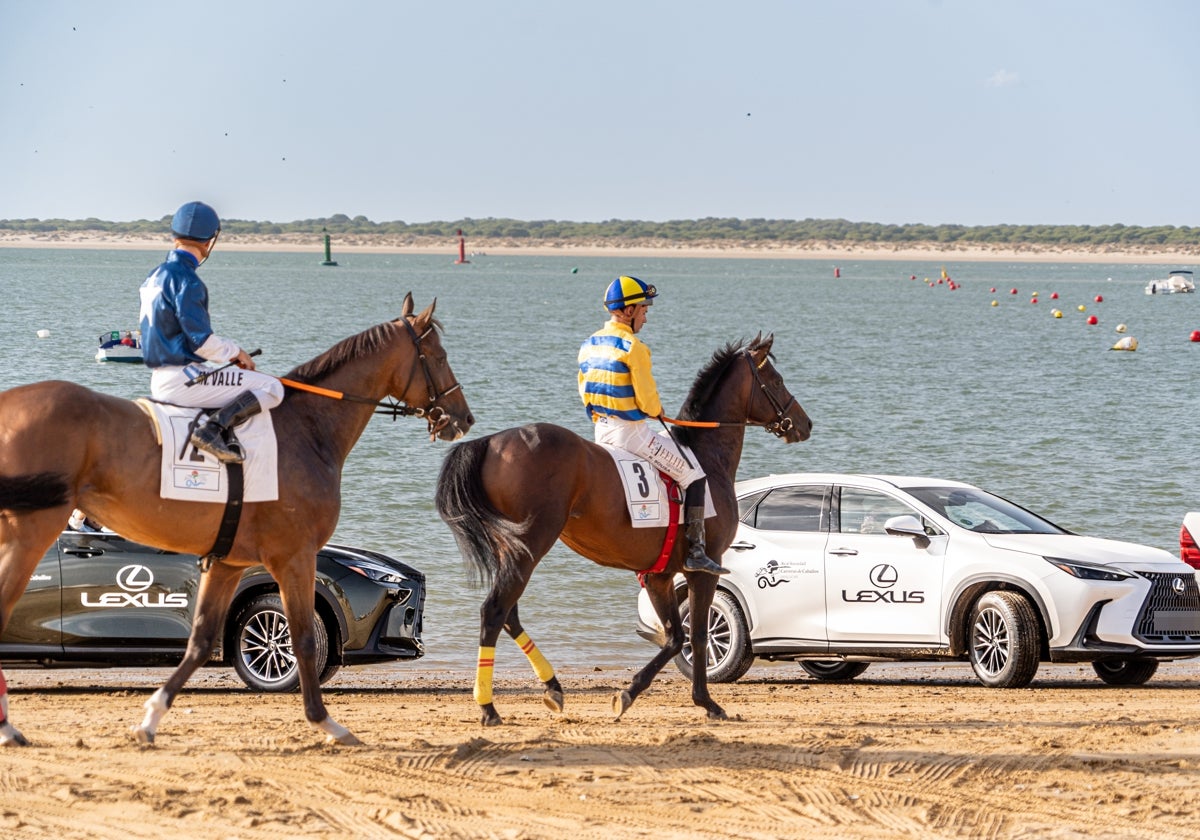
{"x": 830, "y": 251}
{"x": 900, "y": 752}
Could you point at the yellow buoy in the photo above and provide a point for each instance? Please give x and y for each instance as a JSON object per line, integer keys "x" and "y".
{"x": 1057, "y": 313}
{"x": 1126, "y": 343}
{"x": 995, "y": 303}
{"x": 1082, "y": 308}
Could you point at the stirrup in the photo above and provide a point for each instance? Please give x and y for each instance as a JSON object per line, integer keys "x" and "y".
{"x": 214, "y": 444}
{"x": 704, "y": 563}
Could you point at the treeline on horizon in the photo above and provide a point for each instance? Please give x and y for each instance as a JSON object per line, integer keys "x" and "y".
{"x": 766, "y": 231}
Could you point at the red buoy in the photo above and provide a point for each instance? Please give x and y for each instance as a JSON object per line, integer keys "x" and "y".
{"x": 1092, "y": 319}
{"x": 837, "y": 272}
{"x": 1195, "y": 336}
{"x": 1013, "y": 292}
{"x": 1054, "y": 296}
{"x": 1099, "y": 298}
{"x": 462, "y": 249}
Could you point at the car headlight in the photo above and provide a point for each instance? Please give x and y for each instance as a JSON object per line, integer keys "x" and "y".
{"x": 1088, "y": 571}
{"x": 374, "y": 571}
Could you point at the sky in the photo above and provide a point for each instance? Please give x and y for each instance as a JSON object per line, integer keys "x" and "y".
{"x": 910, "y": 111}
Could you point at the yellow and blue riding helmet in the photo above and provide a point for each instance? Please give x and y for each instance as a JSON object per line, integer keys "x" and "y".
{"x": 627, "y": 291}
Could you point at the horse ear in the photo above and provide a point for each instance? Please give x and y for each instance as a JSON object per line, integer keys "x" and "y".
{"x": 408, "y": 306}
{"x": 760, "y": 348}
{"x": 427, "y": 316}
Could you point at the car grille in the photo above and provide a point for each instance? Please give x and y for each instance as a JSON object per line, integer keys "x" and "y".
{"x": 1171, "y": 613}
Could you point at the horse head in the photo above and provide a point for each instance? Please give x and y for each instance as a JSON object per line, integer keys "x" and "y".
{"x": 430, "y": 385}
{"x": 771, "y": 404}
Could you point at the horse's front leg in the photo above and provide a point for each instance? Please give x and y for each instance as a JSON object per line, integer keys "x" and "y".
{"x": 297, "y": 587}
{"x": 701, "y": 588}
{"x": 217, "y": 586}
{"x": 661, "y": 589}
{"x": 553, "y": 694}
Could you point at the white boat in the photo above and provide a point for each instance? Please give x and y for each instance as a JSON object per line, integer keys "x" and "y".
{"x": 120, "y": 346}
{"x": 1176, "y": 282}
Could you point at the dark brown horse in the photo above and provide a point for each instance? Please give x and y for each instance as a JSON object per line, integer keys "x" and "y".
{"x": 63, "y": 446}
{"x": 508, "y": 497}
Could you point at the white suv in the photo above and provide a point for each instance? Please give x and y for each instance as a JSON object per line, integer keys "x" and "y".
{"x": 837, "y": 571}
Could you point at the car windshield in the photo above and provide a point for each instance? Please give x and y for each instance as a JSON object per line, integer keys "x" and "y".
{"x": 982, "y": 512}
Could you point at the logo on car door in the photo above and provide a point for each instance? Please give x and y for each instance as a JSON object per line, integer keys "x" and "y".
{"x": 135, "y": 581}
{"x": 883, "y": 577}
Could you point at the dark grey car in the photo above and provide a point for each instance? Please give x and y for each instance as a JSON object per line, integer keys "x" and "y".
{"x": 97, "y": 599}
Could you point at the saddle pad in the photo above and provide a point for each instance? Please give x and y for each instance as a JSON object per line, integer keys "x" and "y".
{"x": 645, "y": 491}
{"x": 199, "y": 477}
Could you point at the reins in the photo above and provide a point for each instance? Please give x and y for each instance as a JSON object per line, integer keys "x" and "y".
{"x": 779, "y": 427}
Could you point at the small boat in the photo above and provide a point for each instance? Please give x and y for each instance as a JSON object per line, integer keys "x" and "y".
{"x": 120, "y": 346}
{"x": 1177, "y": 282}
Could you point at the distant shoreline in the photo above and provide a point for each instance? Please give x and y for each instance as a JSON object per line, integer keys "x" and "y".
{"x": 830, "y": 251}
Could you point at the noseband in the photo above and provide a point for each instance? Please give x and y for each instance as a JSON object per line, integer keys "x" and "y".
{"x": 782, "y": 424}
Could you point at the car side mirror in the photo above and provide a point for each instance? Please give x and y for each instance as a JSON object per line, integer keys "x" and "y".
{"x": 907, "y": 526}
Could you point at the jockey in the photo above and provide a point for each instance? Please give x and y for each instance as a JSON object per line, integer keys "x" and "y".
{"x": 178, "y": 339}
{"x": 618, "y": 391}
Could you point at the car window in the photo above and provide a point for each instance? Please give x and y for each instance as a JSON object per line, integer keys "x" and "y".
{"x": 983, "y": 512}
{"x": 864, "y": 511}
{"x": 804, "y": 508}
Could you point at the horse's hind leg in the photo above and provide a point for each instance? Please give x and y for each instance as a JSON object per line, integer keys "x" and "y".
{"x": 297, "y": 588}
{"x": 500, "y": 603}
{"x": 553, "y": 695}
{"x": 24, "y": 539}
{"x": 661, "y": 589}
{"x": 212, "y": 604}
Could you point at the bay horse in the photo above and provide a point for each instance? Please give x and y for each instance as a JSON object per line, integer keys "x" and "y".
{"x": 508, "y": 496}
{"x": 64, "y": 446}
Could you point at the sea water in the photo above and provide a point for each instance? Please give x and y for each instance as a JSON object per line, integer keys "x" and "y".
{"x": 900, "y": 374}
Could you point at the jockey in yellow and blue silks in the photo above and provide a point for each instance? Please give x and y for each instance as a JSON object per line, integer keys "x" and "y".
{"x": 178, "y": 338}
{"x": 618, "y": 391}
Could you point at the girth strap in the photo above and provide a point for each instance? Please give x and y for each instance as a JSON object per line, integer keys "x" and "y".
{"x": 674, "y": 512}
{"x": 229, "y": 520}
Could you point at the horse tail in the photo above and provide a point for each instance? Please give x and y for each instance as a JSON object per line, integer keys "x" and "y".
{"x": 489, "y": 541}
{"x": 35, "y": 491}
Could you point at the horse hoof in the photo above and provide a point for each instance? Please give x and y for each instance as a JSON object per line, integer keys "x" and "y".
{"x": 717, "y": 714}
{"x": 621, "y": 703}
{"x": 10, "y": 736}
{"x": 144, "y": 737}
{"x": 346, "y": 740}
{"x": 492, "y": 719}
{"x": 553, "y": 700}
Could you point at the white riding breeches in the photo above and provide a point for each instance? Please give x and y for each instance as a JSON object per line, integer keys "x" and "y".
{"x": 659, "y": 450}
{"x": 169, "y": 384}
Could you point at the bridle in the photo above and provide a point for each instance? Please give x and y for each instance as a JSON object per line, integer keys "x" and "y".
{"x": 433, "y": 413}
{"x": 782, "y": 424}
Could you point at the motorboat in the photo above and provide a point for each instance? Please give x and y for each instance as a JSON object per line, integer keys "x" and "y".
{"x": 1176, "y": 282}
{"x": 120, "y": 346}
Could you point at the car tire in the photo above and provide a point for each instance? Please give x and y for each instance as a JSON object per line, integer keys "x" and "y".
{"x": 1126, "y": 671}
{"x": 832, "y": 670}
{"x": 262, "y": 646}
{"x": 1004, "y": 640}
{"x": 729, "y": 652}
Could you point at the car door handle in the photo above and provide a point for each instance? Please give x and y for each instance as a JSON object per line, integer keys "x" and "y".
{"x": 843, "y": 552}
{"x": 742, "y": 545}
{"x": 84, "y": 552}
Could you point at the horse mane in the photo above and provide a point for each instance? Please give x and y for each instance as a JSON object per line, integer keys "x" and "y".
{"x": 706, "y": 382}
{"x": 347, "y": 350}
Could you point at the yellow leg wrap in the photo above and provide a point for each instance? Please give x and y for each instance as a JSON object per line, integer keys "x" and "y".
{"x": 541, "y": 666}
{"x": 483, "y": 675}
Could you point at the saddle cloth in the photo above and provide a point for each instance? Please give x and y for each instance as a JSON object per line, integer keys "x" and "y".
{"x": 645, "y": 490}
{"x": 189, "y": 475}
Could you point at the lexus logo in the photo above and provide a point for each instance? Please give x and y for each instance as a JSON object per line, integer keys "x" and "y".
{"x": 884, "y": 576}
{"x": 1178, "y": 585}
{"x": 135, "y": 578}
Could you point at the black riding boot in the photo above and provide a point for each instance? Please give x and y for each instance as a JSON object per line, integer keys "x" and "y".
{"x": 697, "y": 560}
{"x": 216, "y": 438}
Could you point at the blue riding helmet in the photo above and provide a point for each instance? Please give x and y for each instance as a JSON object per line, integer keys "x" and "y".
{"x": 196, "y": 220}
{"x": 626, "y": 291}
